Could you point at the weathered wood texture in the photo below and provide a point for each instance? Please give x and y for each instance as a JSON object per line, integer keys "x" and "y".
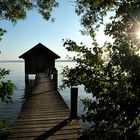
{"x": 44, "y": 115}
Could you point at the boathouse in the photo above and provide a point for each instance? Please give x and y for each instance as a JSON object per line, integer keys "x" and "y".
{"x": 39, "y": 59}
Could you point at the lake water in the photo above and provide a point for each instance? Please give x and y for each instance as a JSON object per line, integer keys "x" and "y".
{"x": 9, "y": 112}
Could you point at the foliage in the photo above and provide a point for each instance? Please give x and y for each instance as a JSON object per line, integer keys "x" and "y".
{"x": 3, "y": 131}
{"x": 72, "y": 122}
{"x": 113, "y": 81}
{"x": 2, "y": 31}
{"x": 6, "y": 91}
{"x": 6, "y": 86}
{"x": 13, "y": 11}
{"x": 2, "y": 126}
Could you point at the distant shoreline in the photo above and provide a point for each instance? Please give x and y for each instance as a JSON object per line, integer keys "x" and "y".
{"x": 7, "y": 61}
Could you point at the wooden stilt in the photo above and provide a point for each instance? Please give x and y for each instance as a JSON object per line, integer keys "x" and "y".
{"x": 74, "y": 97}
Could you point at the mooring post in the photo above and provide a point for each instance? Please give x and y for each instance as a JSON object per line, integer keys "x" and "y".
{"x": 74, "y": 98}
{"x": 55, "y": 77}
{"x": 26, "y": 80}
{"x": 47, "y": 72}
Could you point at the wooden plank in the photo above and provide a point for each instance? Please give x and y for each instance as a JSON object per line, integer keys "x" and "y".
{"x": 44, "y": 129}
{"x": 44, "y": 115}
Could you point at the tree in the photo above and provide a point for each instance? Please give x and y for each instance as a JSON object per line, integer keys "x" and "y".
{"x": 13, "y": 11}
{"x": 113, "y": 81}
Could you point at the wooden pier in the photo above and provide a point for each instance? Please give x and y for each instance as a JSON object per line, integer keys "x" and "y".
{"x": 44, "y": 115}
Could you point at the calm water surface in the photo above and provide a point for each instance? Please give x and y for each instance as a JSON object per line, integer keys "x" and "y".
{"x": 9, "y": 112}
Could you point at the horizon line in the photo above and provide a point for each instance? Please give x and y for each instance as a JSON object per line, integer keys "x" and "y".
{"x": 60, "y": 60}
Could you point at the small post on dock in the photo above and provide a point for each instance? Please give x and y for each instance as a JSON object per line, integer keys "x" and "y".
{"x": 74, "y": 97}
{"x": 26, "y": 79}
{"x": 55, "y": 77}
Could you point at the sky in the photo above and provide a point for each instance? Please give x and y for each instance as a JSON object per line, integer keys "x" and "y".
{"x": 34, "y": 29}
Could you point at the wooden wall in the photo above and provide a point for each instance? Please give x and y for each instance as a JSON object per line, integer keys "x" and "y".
{"x": 36, "y": 63}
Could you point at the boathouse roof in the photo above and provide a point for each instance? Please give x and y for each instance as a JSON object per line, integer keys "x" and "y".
{"x": 39, "y": 48}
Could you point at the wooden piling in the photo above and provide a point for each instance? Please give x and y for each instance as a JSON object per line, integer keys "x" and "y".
{"x": 74, "y": 97}
{"x": 55, "y": 77}
{"x": 26, "y": 79}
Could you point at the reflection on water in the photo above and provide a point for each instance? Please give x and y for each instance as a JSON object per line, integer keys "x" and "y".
{"x": 9, "y": 112}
